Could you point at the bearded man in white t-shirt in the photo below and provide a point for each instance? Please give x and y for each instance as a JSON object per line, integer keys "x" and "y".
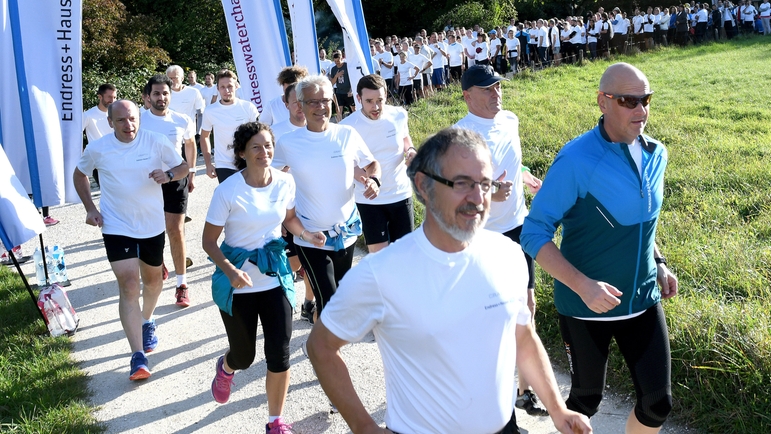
{"x": 450, "y": 321}
{"x": 131, "y": 164}
{"x": 224, "y": 117}
{"x": 180, "y": 130}
{"x": 384, "y": 129}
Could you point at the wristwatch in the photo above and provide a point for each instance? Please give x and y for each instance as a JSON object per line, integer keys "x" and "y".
{"x": 170, "y": 174}
{"x": 661, "y": 260}
{"x": 377, "y": 181}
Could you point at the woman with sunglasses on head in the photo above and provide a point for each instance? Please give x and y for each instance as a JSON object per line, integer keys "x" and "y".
{"x": 253, "y": 279}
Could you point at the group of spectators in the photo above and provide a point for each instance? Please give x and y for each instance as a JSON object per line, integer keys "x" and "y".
{"x": 415, "y": 67}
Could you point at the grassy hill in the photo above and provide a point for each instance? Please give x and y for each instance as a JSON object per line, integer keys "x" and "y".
{"x": 711, "y": 109}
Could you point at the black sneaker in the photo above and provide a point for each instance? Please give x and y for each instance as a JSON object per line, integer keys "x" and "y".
{"x": 307, "y": 311}
{"x": 528, "y": 402}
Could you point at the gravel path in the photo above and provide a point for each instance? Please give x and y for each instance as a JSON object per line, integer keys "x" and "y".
{"x": 177, "y": 399}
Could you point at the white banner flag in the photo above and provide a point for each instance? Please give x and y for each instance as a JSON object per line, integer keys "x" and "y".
{"x": 41, "y": 96}
{"x": 259, "y": 44}
{"x": 19, "y": 219}
{"x": 306, "y": 46}
{"x": 351, "y": 18}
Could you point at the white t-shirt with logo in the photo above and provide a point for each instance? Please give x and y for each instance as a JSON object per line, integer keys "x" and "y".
{"x": 187, "y": 101}
{"x": 225, "y": 119}
{"x": 132, "y": 202}
{"x": 95, "y": 124}
{"x": 502, "y": 136}
{"x": 176, "y": 126}
{"x": 385, "y": 140}
{"x": 252, "y": 216}
{"x": 449, "y": 368}
{"x": 322, "y": 165}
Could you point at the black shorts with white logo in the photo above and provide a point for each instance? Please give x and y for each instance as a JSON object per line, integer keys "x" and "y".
{"x": 148, "y": 250}
{"x": 175, "y": 196}
{"x": 388, "y": 222}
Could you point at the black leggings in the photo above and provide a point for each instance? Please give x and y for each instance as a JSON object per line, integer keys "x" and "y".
{"x": 324, "y": 268}
{"x": 644, "y": 343}
{"x": 275, "y": 312}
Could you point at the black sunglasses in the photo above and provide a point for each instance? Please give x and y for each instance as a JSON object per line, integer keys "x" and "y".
{"x": 629, "y": 101}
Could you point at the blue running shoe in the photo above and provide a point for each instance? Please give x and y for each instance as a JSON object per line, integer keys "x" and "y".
{"x": 139, "y": 369}
{"x": 149, "y": 340}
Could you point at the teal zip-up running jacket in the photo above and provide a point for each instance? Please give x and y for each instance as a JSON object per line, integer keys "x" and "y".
{"x": 608, "y": 213}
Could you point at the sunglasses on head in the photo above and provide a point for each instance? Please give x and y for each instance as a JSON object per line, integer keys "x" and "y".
{"x": 629, "y": 101}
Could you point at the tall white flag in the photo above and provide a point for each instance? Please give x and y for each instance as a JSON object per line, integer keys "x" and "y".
{"x": 306, "y": 46}
{"x": 351, "y": 18}
{"x": 41, "y": 96}
{"x": 259, "y": 44}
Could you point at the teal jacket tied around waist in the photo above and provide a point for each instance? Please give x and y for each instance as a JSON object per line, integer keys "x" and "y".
{"x": 270, "y": 259}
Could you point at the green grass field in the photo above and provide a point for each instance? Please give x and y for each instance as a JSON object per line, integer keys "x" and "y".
{"x": 711, "y": 109}
{"x": 41, "y": 389}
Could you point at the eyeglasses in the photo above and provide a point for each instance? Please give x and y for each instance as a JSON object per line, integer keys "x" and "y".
{"x": 629, "y": 101}
{"x": 317, "y": 102}
{"x": 465, "y": 185}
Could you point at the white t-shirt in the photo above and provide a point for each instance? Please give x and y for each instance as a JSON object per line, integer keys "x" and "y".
{"x": 449, "y": 368}
{"x": 456, "y": 54}
{"x": 619, "y": 27}
{"x": 495, "y": 43}
{"x": 207, "y": 93}
{"x": 252, "y": 216}
{"x": 748, "y": 13}
{"x": 481, "y": 51}
{"x": 385, "y": 140}
{"x": 226, "y": 119}
{"x": 648, "y": 21}
{"x": 543, "y": 37}
{"x": 420, "y": 61}
{"x": 131, "y": 203}
{"x": 282, "y": 128}
{"x": 407, "y": 72}
{"x": 664, "y": 21}
{"x": 326, "y": 66}
{"x": 502, "y": 136}
{"x": 436, "y": 55}
{"x": 175, "y": 126}
{"x": 578, "y": 38}
{"x": 95, "y": 124}
{"x": 198, "y": 86}
{"x": 322, "y": 165}
{"x": 468, "y": 45}
{"x": 512, "y": 47}
{"x": 386, "y": 57}
{"x": 274, "y": 112}
{"x": 637, "y": 21}
{"x": 187, "y": 101}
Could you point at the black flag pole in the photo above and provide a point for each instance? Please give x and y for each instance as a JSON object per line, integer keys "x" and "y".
{"x": 26, "y": 283}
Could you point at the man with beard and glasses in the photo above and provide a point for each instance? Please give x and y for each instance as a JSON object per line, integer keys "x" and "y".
{"x": 450, "y": 321}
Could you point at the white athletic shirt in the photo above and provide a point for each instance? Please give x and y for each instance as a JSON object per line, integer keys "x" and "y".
{"x": 387, "y": 58}
{"x": 252, "y": 216}
{"x": 187, "y": 101}
{"x": 543, "y": 34}
{"x": 131, "y": 203}
{"x": 322, "y": 165}
{"x": 436, "y": 55}
{"x": 468, "y": 45}
{"x": 502, "y": 136}
{"x": 406, "y": 72}
{"x": 275, "y": 111}
{"x": 282, "y": 128}
{"x": 456, "y": 54}
{"x": 207, "y": 93}
{"x": 445, "y": 325}
{"x": 495, "y": 43}
{"x": 175, "y": 126}
{"x": 420, "y": 61}
{"x": 225, "y": 119}
{"x": 385, "y": 140}
{"x": 512, "y": 47}
{"x": 95, "y": 124}
{"x": 326, "y": 66}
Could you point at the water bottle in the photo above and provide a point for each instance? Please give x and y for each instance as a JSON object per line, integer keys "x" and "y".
{"x": 39, "y": 264}
{"x": 53, "y": 313}
{"x": 50, "y": 266}
{"x": 60, "y": 268}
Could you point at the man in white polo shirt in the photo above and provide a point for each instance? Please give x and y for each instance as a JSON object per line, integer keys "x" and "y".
{"x": 131, "y": 162}
{"x": 223, "y": 117}
{"x": 180, "y": 130}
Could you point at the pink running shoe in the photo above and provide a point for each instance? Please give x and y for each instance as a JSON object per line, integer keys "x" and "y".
{"x": 220, "y": 386}
{"x": 50, "y": 221}
{"x": 278, "y": 427}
